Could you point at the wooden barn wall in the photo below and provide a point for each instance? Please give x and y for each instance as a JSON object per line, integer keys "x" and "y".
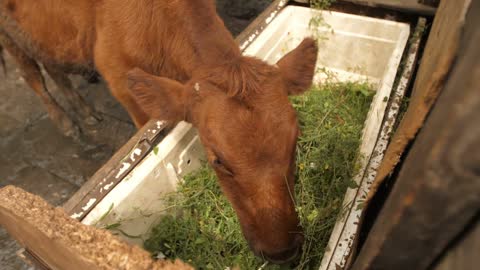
{"x": 437, "y": 193}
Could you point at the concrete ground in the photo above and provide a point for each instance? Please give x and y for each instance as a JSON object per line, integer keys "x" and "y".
{"x": 35, "y": 156}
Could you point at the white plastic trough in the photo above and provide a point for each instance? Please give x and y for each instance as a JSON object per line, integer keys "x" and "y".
{"x": 354, "y": 48}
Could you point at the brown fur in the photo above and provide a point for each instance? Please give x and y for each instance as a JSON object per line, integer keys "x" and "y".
{"x": 238, "y": 104}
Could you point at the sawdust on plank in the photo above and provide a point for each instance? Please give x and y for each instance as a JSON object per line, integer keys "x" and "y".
{"x": 94, "y": 246}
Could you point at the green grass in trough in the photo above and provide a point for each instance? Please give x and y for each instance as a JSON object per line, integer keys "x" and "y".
{"x": 206, "y": 233}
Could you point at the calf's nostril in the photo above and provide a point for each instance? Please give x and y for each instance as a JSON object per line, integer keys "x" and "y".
{"x": 284, "y": 256}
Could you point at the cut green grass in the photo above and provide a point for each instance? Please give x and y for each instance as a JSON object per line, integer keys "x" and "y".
{"x": 205, "y": 232}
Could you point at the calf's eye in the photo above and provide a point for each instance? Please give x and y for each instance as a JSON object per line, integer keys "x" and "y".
{"x": 220, "y": 166}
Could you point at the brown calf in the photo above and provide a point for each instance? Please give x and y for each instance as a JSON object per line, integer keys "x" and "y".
{"x": 238, "y": 104}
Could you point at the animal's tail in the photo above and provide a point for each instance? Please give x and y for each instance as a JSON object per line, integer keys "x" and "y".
{"x": 2, "y": 61}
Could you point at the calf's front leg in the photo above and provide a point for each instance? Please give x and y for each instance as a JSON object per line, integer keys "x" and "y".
{"x": 115, "y": 75}
{"x": 86, "y": 113}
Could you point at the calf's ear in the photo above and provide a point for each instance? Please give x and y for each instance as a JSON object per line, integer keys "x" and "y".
{"x": 161, "y": 98}
{"x": 298, "y": 67}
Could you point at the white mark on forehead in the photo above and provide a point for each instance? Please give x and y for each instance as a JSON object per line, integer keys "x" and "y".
{"x": 197, "y": 87}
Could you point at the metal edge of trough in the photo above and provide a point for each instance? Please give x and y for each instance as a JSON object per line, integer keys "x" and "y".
{"x": 124, "y": 166}
{"x": 386, "y": 129}
{"x": 249, "y": 34}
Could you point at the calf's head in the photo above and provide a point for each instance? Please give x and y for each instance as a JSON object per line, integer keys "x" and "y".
{"x": 249, "y": 130}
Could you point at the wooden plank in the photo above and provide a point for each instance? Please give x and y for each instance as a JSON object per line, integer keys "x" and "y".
{"x": 464, "y": 254}
{"x": 407, "y": 6}
{"x": 64, "y": 243}
{"x": 437, "y": 192}
{"x": 440, "y": 52}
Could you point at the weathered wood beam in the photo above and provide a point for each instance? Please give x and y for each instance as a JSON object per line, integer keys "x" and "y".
{"x": 464, "y": 254}
{"x": 439, "y": 54}
{"x": 60, "y": 242}
{"x": 437, "y": 192}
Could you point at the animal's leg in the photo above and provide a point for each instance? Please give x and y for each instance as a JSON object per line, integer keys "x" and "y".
{"x": 115, "y": 75}
{"x": 33, "y": 76}
{"x": 91, "y": 77}
{"x": 118, "y": 87}
{"x": 2, "y": 61}
{"x": 78, "y": 103}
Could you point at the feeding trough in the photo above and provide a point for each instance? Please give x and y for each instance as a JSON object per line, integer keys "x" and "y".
{"x": 351, "y": 48}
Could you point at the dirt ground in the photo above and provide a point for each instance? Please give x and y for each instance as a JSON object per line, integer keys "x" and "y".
{"x": 35, "y": 156}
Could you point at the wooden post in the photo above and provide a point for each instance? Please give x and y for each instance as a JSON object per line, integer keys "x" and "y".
{"x": 464, "y": 253}
{"x": 437, "y": 192}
